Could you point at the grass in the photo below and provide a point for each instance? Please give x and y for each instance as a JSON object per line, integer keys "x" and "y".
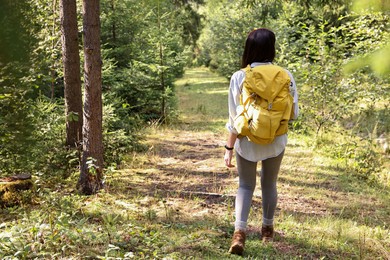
{"x": 176, "y": 200}
{"x": 202, "y": 97}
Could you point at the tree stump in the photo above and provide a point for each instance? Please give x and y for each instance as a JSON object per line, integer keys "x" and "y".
{"x": 15, "y": 190}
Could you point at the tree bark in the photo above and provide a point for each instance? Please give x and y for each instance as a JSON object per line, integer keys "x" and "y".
{"x": 72, "y": 81}
{"x": 91, "y": 170}
{"x": 162, "y": 81}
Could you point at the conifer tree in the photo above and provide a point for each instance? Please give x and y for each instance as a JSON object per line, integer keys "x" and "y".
{"x": 91, "y": 170}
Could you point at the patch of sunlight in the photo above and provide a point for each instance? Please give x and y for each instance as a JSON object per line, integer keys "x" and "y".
{"x": 122, "y": 173}
{"x": 216, "y": 91}
{"x": 126, "y": 205}
{"x": 6, "y": 235}
{"x": 93, "y": 207}
{"x": 200, "y": 77}
{"x": 201, "y": 213}
{"x": 347, "y": 231}
{"x": 319, "y": 161}
{"x": 167, "y": 161}
{"x": 203, "y": 167}
{"x": 194, "y": 118}
{"x": 210, "y": 81}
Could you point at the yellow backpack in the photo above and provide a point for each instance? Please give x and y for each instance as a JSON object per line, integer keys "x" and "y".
{"x": 266, "y": 104}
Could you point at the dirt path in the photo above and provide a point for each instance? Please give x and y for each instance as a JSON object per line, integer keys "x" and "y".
{"x": 189, "y": 163}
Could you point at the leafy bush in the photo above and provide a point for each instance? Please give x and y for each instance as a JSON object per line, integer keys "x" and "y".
{"x": 34, "y": 133}
{"x": 224, "y": 35}
{"x": 146, "y": 51}
{"x": 360, "y": 156}
{"x": 119, "y": 140}
{"x": 366, "y": 160}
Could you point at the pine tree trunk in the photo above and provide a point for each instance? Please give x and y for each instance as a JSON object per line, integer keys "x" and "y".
{"x": 91, "y": 170}
{"x": 72, "y": 81}
{"x": 162, "y": 81}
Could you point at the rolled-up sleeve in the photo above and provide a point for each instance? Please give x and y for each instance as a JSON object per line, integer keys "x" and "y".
{"x": 234, "y": 98}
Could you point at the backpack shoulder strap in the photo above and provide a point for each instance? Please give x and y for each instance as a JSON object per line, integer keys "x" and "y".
{"x": 245, "y": 70}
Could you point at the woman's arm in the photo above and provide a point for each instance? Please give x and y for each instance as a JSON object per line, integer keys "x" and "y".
{"x": 233, "y": 100}
{"x": 229, "y": 153}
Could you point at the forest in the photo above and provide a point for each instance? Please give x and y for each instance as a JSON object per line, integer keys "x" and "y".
{"x": 112, "y": 127}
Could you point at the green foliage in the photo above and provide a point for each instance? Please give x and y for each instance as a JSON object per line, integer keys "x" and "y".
{"x": 317, "y": 49}
{"x": 361, "y": 156}
{"x": 14, "y": 134}
{"x": 330, "y": 98}
{"x": 46, "y": 70}
{"x": 224, "y": 35}
{"x": 56, "y": 229}
{"x": 366, "y": 161}
{"x": 39, "y": 146}
{"x": 35, "y": 143}
{"x": 372, "y": 5}
{"x": 17, "y": 121}
{"x": 15, "y": 41}
{"x": 23, "y": 81}
{"x": 145, "y": 48}
{"x": 116, "y": 141}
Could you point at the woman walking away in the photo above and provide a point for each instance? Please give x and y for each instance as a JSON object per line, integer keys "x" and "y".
{"x": 259, "y": 54}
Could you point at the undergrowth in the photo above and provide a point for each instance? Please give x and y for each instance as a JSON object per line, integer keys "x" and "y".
{"x": 175, "y": 200}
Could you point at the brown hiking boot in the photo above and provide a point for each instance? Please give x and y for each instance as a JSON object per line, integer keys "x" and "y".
{"x": 238, "y": 243}
{"x": 267, "y": 233}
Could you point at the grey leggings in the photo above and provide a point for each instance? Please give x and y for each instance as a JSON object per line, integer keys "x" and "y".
{"x": 247, "y": 182}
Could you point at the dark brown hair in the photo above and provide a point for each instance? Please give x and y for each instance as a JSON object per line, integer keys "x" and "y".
{"x": 259, "y": 47}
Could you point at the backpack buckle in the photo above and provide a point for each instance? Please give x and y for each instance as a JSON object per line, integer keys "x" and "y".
{"x": 269, "y": 106}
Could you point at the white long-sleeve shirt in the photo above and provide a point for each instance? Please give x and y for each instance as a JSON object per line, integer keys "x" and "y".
{"x": 246, "y": 149}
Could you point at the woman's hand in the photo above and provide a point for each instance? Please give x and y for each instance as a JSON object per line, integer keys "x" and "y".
{"x": 229, "y": 149}
{"x": 228, "y": 158}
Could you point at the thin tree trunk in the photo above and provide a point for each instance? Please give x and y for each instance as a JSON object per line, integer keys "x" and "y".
{"x": 162, "y": 81}
{"x": 53, "y": 32}
{"x": 72, "y": 81}
{"x": 91, "y": 170}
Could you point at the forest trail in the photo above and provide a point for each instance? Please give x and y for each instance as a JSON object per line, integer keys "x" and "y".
{"x": 182, "y": 179}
